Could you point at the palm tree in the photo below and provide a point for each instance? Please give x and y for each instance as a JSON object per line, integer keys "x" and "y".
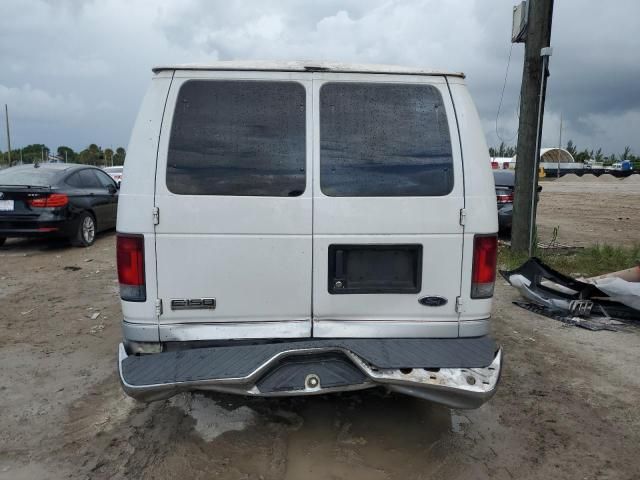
{"x": 108, "y": 156}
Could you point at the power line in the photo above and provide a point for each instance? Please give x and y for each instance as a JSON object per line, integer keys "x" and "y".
{"x": 504, "y": 85}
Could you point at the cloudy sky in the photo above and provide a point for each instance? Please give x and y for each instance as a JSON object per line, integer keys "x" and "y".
{"x": 73, "y": 72}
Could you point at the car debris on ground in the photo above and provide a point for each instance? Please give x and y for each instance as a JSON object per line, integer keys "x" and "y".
{"x": 605, "y": 302}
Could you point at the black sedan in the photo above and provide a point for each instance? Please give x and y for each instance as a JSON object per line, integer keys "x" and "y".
{"x": 57, "y": 199}
{"x": 505, "y": 181}
{"x": 505, "y": 185}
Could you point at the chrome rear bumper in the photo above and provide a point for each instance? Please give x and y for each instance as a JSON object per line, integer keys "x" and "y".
{"x": 454, "y": 387}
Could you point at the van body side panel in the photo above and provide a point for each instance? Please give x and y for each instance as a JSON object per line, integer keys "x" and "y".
{"x": 481, "y": 208}
{"x": 135, "y": 203}
{"x": 249, "y": 251}
{"x": 430, "y": 222}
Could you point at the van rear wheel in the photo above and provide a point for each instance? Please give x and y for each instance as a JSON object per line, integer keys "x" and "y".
{"x": 86, "y": 232}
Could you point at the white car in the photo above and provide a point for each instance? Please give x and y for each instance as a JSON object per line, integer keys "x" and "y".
{"x": 115, "y": 173}
{"x": 296, "y": 229}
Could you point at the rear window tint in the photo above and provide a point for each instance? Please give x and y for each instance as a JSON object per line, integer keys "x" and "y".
{"x": 84, "y": 179}
{"x": 381, "y": 140}
{"x": 105, "y": 180}
{"x": 74, "y": 180}
{"x": 88, "y": 179}
{"x": 241, "y": 138}
{"x": 40, "y": 177}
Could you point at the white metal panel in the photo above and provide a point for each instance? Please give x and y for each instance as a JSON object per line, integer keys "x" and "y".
{"x": 253, "y": 277}
{"x": 482, "y": 216}
{"x": 236, "y": 215}
{"x": 252, "y": 254}
{"x": 135, "y": 202}
{"x": 433, "y": 222}
{"x": 474, "y": 328}
{"x": 387, "y": 215}
{"x": 188, "y": 332}
{"x": 383, "y": 329}
{"x": 440, "y": 277}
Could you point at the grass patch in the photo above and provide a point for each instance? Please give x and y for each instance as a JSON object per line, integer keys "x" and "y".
{"x": 586, "y": 262}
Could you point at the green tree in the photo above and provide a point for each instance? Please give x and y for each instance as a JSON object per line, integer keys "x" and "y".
{"x": 502, "y": 151}
{"x": 626, "y": 155}
{"x": 571, "y": 148}
{"x": 66, "y": 153}
{"x": 118, "y": 158}
{"x": 598, "y": 157}
{"x": 92, "y": 155}
{"x": 108, "y": 156}
{"x": 35, "y": 152}
{"x": 583, "y": 156}
{"x": 84, "y": 156}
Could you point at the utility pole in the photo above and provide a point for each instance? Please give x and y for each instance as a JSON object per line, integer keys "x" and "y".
{"x": 6, "y": 115}
{"x": 532, "y": 97}
{"x": 559, "y": 145}
{"x": 560, "y": 136}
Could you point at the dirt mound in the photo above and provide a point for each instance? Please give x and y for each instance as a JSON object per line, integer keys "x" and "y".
{"x": 589, "y": 178}
{"x": 635, "y": 179}
{"x": 570, "y": 178}
{"x": 607, "y": 178}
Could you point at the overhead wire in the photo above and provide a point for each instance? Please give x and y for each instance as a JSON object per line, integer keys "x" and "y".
{"x": 504, "y": 86}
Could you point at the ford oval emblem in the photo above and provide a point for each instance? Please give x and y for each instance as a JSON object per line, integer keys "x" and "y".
{"x": 433, "y": 301}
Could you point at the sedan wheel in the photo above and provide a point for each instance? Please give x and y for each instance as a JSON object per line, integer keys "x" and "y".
{"x": 86, "y": 234}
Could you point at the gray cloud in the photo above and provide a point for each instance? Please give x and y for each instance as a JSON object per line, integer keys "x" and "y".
{"x": 74, "y": 72}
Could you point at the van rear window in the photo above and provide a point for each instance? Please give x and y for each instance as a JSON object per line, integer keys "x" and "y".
{"x": 383, "y": 140}
{"x": 244, "y": 138}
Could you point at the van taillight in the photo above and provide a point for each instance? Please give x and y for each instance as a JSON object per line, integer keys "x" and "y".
{"x": 483, "y": 276}
{"x": 130, "y": 254}
{"x": 49, "y": 201}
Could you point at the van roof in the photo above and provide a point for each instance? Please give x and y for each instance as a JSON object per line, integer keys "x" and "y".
{"x": 305, "y": 66}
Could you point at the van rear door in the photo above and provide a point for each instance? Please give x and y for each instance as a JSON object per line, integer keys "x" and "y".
{"x": 233, "y": 192}
{"x": 388, "y": 195}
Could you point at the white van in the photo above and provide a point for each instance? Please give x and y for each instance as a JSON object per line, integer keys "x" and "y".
{"x": 294, "y": 229}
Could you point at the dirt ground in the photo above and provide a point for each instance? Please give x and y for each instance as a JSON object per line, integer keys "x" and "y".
{"x": 567, "y": 407}
{"x": 590, "y": 210}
